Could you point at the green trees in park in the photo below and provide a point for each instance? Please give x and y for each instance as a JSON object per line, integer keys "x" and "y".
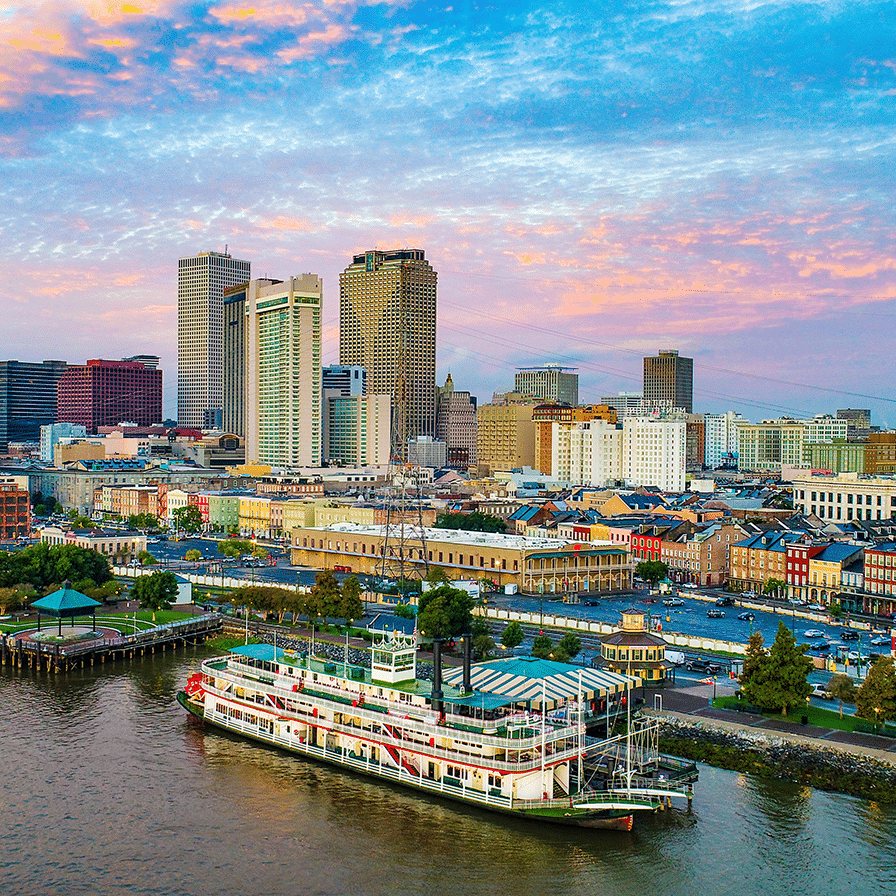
{"x": 146, "y": 558}
{"x": 188, "y": 519}
{"x": 776, "y": 679}
{"x": 155, "y": 592}
{"x": 843, "y": 689}
{"x": 325, "y": 595}
{"x": 240, "y": 547}
{"x": 513, "y": 635}
{"x": 652, "y": 571}
{"x": 482, "y": 643}
{"x": 43, "y": 566}
{"x": 876, "y": 698}
{"x": 193, "y": 555}
{"x": 471, "y": 522}
{"x": 444, "y": 612}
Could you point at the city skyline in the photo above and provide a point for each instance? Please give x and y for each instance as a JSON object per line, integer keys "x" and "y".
{"x": 592, "y": 184}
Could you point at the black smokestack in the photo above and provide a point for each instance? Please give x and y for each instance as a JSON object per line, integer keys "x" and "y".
{"x": 437, "y": 675}
{"x": 468, "y": 648}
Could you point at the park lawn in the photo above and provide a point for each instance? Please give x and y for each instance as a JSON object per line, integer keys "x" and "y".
{"x": 816, "y": 715}
{"x": 104, "y": 617}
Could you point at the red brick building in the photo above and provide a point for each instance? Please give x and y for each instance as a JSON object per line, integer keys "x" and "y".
{"x": 105, "y": 393}
{"x": 15, "y": 510}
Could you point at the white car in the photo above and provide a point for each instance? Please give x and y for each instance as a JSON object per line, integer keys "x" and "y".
{"x": 880, "y": 641}
{"x": 819, "y": 608}
{"x": 813, "y": 633}
{"x": 673, "y": 602}
{"x": 689, "y": 585}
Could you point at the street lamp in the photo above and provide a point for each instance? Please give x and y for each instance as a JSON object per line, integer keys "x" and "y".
{"x": 348, "y": 623}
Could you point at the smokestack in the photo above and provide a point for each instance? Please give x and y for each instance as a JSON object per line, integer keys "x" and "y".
{"x": 468, "y": 646}
{"x": 437, "y": 675}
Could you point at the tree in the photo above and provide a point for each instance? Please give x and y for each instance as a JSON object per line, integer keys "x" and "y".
{"x": 437, "y": 576}
{"x": 235, "y": 547}
{"x": 835, "y": 609}
{"x": 876, "y": 698}
{"x": 146, "y": 558}
{"x": 542, "y": 646}
{"x": 842, "y": 688}
{"x": 471, "y": 522}
{"x": 326, "y": 594}
{"x": 143, "y": 521}
{"x": 752, "y": 676}
{"x": 513, "y": 635}
{"x": 188, "y": 518}
{"x": 404, "y": 611}
{"x": 155, "y": 592}
{"x": 482, "y": 641}
{"x": 774, "y": 587}
{"x": 444, "y": 612}
{"x": 780, "y": 679}
{"x": 570, "y": 644}
{"x": 193, "y": 555}
{"x": 10, "y": 599}
{"x": 651, "y": 571}
{"x": 350, "y": 604}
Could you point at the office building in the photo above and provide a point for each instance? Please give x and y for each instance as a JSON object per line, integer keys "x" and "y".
{"x": 27, "y": 399}
{"x": 553, "y": 382}
{"x": 105, "y": 393}
{"x": 283, "y": 372}
{"x": 53, "y": 433}
{"x": 425, "y": 451}
{"x": 344, "y": 379}
{"x": 456, "y": 425}
{"x": 773, "y": 444}
{"x": 544, "y": 417}
{"x": 151, "y": 362}
{"x": 720, "y": 448}
{"x": 653, "y": 452}
{"x": 358, "y": 430}
{"x": 201, "y": 281}
{"x": 387, "y": 310}
{"x": 505, "y": 433}
{"x": 669, "y": 381}
{"x": 626, "y": 404}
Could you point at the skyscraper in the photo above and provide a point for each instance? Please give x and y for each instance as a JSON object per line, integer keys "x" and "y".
{"x": 27, "y": 399}
{"x": 553, "y": 382}
{"x": 201, "y": 281}
{"x": 283, "y": 372}
{"x": 387, "y": 308}
{"x": 456, "y": 424}
{"x": 669, "y": 381}
{"x": 233, "y": 394}
{"x": 104, "y": 393}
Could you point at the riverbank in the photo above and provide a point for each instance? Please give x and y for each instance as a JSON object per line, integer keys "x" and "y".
{"x": 835, "y": 761}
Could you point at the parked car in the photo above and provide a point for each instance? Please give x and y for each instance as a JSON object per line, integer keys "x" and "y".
{"x": 715, "y": 614}
{"x": 689, "y": 585}
{"x": 818, "y": 690}
{"x": 746, "y": 617}
{"x": 849, "y": 635}
{"x": 880, "y": 641}
{"x": 592, "y": 603}
{"x": 813, "y": 633}
{"x": 819, "y": 608}
{"x": 724, "y": 602}
{"x": 673, "y": 602}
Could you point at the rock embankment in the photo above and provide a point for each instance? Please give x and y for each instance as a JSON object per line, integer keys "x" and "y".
{"x": 786, "y": 757}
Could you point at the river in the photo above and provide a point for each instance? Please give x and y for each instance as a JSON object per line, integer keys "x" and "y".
{"x": 110, "y": 787}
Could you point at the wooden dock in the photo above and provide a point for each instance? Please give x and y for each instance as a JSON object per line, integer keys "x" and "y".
{"x": 22, "y": 653}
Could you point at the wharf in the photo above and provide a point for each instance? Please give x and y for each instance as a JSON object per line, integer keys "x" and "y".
{"x": 24, "y": 650}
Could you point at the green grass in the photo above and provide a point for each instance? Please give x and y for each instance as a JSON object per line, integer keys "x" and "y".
{"x": 822, "y": 718}
{"x": 106, "y": 617}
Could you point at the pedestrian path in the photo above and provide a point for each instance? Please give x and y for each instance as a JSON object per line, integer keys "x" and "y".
{"x": 691, "y": 703}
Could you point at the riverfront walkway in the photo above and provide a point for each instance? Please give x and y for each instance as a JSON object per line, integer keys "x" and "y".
{"x": 691, "y": 703}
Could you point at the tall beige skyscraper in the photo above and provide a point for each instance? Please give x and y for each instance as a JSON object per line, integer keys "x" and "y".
{"x": 283, "y": 372}
{"x": 388, "y": 299}
{"x": 201, "y": 281}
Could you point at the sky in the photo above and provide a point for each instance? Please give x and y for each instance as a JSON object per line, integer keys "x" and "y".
{"x": 593, "y": 181}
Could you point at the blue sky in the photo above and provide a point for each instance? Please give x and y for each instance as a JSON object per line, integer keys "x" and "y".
{"x": 592, "y": 181}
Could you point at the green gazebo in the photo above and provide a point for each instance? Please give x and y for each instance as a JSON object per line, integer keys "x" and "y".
{"x": 66, "y": 603}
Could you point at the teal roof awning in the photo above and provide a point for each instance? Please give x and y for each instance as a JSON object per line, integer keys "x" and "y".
{"x": 480, "y": 700}
{"x": 265, "y": 652}
{"x": 66, "y": 602}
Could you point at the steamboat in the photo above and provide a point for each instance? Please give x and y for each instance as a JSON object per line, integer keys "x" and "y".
{"x": 530, "y": 737}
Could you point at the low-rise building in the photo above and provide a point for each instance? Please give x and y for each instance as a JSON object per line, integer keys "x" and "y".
{"x": 845, "y": 497}
{"x": 115, "y": 545}
{"x": 535, "y": 565}
{"x": 15, "y": 510}
{"x": 633, "y": 650}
